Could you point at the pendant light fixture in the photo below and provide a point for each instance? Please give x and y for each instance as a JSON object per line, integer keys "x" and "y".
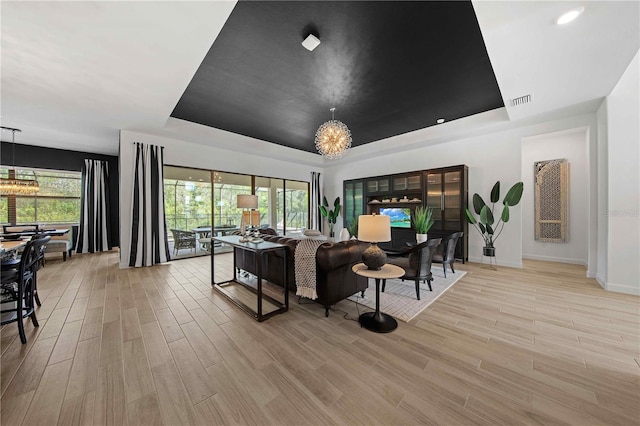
{"x": 333, "y": 138}
{"x": 12, "y": 185}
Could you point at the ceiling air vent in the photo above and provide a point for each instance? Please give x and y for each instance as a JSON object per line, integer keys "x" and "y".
{"x": 521, "y": 100}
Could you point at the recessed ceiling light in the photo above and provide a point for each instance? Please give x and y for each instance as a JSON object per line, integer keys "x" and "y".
{"x": 440, "y": 120}
{"x": 311, "y": 42}
{"x": 569, "y": 16}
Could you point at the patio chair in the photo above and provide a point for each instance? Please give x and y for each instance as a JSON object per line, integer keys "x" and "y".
{"x": 183, "y": 240}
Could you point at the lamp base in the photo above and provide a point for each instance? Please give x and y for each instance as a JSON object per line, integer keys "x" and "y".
{"x": 374, "y": 257}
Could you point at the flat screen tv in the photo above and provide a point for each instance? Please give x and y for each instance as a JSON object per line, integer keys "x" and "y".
{"x": 400, "y": 217}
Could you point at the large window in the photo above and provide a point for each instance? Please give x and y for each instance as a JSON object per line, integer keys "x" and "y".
{"x": 58, "y": 200}
{"x": 187, "y": 198}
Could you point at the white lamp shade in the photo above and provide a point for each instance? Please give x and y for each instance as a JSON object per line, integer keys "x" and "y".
{"x": 247, "y": 201}
{"x": 374, "y": 229}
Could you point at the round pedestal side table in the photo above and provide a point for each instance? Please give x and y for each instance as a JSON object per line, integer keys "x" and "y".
{"x": 378, "y": 321}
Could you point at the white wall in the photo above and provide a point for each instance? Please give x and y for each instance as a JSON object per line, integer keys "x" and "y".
{"x": 490, "y": 157}
{"x": 187, "y": 154}
{"x": 623, "y": 185}
{"x": 603, "y": 196}
{"x": 572, "y": 145}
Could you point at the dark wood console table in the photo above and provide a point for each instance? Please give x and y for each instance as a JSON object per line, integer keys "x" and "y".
{"x": 259, "y": 249}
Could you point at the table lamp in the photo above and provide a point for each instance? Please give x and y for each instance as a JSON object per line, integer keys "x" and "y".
{"x": 247, "y": 201}
{"x": 374, "y": 229}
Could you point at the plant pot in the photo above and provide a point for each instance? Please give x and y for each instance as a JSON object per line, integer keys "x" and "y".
{"x": 421, "y": 238}
{"x": 344, "y": 234}
{"x": 489, "y": 251}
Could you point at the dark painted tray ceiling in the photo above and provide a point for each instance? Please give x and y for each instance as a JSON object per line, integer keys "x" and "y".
{"x": 388, "y": 67}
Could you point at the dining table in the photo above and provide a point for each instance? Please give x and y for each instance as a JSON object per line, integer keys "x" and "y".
{"x": 51, "y": 231}
{"x": 12, "y": 245}
{"x": 204, "y": 234}
{"x": 9, "y": 249}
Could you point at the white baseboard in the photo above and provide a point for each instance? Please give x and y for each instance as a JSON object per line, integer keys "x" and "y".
{"x": 590, "y": 274}
{"x": 621, "y": 288}
{"x": 601, "y": 281}
{"x": 555, "y": 259}
{"x": 500, "y": 263}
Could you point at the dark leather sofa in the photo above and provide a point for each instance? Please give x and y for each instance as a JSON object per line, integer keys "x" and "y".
{"x": 334, "y": 278}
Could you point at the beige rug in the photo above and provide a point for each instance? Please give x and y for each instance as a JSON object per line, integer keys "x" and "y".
{"x": 399, "y": 297}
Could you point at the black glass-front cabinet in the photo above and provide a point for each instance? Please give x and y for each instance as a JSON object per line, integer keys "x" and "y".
{"x": 353, "y": 201}
{"x": 445, "y": 190}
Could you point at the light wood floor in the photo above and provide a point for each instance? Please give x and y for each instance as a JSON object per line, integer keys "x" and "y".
{"x": 541, "y": 345}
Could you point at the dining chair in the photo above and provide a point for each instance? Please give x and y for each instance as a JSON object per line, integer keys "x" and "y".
{"x": 447, "y": 256}
{"x": 17, "y": 287}
{"x": 416, "y": 262}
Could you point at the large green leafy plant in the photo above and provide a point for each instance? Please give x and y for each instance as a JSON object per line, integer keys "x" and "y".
{"x": 487, "y": 226}
{"x": 422, "y": 219}
{"x": 331, "y": 215}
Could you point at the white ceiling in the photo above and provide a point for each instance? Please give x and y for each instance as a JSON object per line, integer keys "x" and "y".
{"x": 74, "y": 73}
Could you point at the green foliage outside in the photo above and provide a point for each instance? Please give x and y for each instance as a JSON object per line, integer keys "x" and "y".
{"x": 58, "y": 200}
{"x": 188, "y": 205}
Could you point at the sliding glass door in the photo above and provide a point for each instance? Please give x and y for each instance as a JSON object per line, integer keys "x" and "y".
{"x": 202, "y": 204}
{"x": 296, "y": 206}
{"x": 270, "y": 194}
{"x": 187, "y": 202}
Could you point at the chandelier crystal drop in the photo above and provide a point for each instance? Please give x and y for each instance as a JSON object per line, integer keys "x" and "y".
{"x": 12, "y": 185}
{"x": 18, "y": 186}
{"x": 333, "y": 138}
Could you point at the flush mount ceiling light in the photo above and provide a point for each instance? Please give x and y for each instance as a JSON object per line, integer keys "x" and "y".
{"x": 12, "y": 185}
{"x": 440, "y": 120}
{"x": 569, "y": 16}
{"x": 333, "y": 138}
{"x": 311, "y": 42}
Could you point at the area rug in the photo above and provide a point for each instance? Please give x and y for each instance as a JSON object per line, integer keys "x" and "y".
{"x": 399, "y": 297}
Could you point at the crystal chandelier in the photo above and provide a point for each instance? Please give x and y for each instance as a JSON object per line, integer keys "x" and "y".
{"x": 12, "y": 185}
{"x": 333, "y": 138}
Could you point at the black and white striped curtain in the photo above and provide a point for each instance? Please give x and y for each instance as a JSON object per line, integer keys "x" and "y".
{"x": 316, "y": 220}
{"x": 95, "y": 225}
{"x": 149, "y": 243}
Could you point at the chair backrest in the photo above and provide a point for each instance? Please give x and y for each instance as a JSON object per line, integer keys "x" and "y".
{"x": 179, "y": 234}
{"x": 30, "y": 258}
{"x": 268, "y": 231}
{"x": 452, "y": 241}
{"x": 420, "y": 257}
{"x": 19, "y": 228}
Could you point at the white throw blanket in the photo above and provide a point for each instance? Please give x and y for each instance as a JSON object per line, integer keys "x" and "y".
{"x": 305, "y": 267}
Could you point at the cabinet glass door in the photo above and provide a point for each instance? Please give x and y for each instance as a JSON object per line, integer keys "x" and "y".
{"x": 375, "y": 186}
{"x": 353, "y": 201}
{"x": 451, "y": 200}
{"x": 434, "y": 194}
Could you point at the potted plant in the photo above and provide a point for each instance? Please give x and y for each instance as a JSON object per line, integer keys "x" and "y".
{"x": 486, "y": 225}
{"x": 353, "y": 228}
{"x": 422, "y": 221}
{"x": 331, "y": 215}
